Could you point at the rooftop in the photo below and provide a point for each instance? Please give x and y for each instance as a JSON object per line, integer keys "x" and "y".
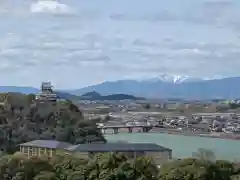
{"x": 47, "y": 144}
{"x": 97, "y": 147}
{"x": 120, "y": 147}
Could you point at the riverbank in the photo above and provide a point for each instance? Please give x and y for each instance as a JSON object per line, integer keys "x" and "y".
{"x": 183, "y": 146}
{"x": 219, "y": 135}
{"x": 198, "y": 134}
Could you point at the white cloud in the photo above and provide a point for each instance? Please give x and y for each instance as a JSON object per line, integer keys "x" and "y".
{"x": 50, "y": 7}
{"x": 112, "y": 42}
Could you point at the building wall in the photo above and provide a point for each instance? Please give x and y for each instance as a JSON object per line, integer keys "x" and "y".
{"x": 160, "y": 157}
{"x": 36, "y": 151}
{"x": 59, "y": 152}
{"x": 82, "y": 155}
{"x": 129, "y": 154}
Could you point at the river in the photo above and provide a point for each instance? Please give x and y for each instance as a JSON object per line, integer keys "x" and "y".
{"x": 184, "y": 146}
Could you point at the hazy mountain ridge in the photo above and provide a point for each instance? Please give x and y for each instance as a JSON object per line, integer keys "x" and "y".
{"x": 66, "y": 95}
{"x": 228, "y": 88}
{"x": 20, "y": 89}
{"x": 174, "y": 79}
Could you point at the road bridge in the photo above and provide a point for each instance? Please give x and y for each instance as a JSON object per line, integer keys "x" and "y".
{"x": 130, "y": 128}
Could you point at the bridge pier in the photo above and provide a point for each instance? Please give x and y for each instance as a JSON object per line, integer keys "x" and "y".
{"x": 130, "y": 129}
{"x": 146, "y": 129}
{"x": 115, "y": 130}
{"x": 143, "y": 129}
{"x": 103, "y": 130}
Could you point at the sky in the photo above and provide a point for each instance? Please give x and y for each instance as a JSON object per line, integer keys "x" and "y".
{"x": 76, "y": 43}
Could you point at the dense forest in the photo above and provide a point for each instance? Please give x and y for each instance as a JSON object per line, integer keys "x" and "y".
{"x": 112, "y": 167}
{"x": 22, "y": 120}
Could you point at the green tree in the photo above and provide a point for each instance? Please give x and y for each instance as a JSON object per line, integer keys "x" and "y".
{"x": 112, "y": 166}
{"x": 205, "y": 155}
{"x": 45, "y": 175}
{"x": 31, "y": 98}
{"x": 143, "y": 169}
{"x": 197, "y": 169}
{"x": 43, "y": 121}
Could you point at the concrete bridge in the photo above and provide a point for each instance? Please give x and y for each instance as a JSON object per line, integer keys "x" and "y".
{"x": 129, "y": 128}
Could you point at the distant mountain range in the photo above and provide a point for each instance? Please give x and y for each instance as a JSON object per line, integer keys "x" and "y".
{"x": 65, "y": 95}
{"x": 174, "y": 79}
{"x": 162, "y": 88}
{"x": 186, "y": 88}
{"x": 68, "y": 96}
{"x": 24, "y": 90}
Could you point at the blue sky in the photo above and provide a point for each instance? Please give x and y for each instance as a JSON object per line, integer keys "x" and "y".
{"x": 76, "y": 43}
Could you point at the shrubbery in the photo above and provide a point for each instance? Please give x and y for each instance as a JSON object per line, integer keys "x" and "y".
{"x": 111, "y": 167}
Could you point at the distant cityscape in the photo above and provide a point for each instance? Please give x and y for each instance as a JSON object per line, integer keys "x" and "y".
{"x": 212, "y": 119}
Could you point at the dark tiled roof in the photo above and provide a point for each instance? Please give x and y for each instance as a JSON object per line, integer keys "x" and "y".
{"x": 120, "y": 147}
{"x": 47, "y": 144}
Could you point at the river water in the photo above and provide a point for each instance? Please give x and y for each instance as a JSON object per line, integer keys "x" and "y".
{"x": 184, "y": 146}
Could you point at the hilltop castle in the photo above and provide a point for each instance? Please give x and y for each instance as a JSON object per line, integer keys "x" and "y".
{"x": 46, "y": 94}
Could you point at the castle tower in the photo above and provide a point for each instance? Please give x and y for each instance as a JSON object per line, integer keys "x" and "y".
{"x": 46, "y": 94}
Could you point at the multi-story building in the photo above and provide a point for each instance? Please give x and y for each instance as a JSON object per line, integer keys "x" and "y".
{"x": 132, "y": 150}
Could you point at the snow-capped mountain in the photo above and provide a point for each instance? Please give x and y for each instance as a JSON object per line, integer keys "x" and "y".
{"x": 176, "y": 79}
{"x": 160, "y": 87}
{"x": 173, "y": 78}
{"x": 170, "y": 87}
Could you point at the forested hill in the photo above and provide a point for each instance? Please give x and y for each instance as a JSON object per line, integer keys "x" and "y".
{"x": 96, "y": 96}
{"x": 21, "y": 120}
{"x": 113, "y": 97}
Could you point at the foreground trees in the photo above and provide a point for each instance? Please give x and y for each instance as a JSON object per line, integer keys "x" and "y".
{"x": 22, "y": 120}
{"x": 111, "y": 167}
{"x": 194, "y": 169}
